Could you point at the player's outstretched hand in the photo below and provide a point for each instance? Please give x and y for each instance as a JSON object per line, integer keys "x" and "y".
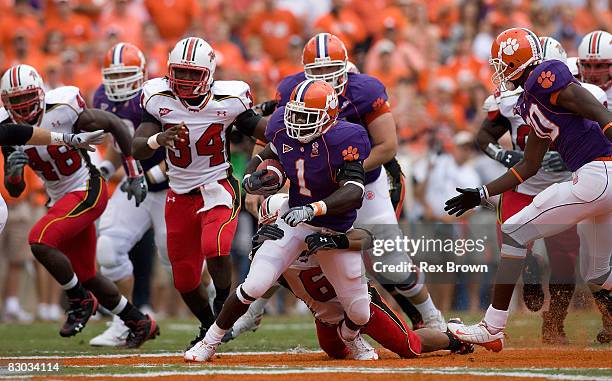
{"x": 254, "y": 183}
{"x": 84, "y": 140}
{"x": 15, "y": 163}
{"x": 135, "y": 187}
{"x": 266, "y": 232}
{"x": 298, "y": 214}
{"x": 174, "y": 134}
{"x": 469, "y": 198}
{"x": 552, "y": 162}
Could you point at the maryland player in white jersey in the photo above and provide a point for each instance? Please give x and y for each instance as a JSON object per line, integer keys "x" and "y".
{"x": 595, "y": 68}
{"x": 306, "y": 280}
{"x": 190, "y": 114}
{"x": 64, "y": 240}
{"x": 562, "y": 249}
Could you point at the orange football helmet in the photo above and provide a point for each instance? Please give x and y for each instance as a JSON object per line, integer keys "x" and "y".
{"x": 311, "y": 110}
{"x": 124, "y": 72}
{"x": 325, "y": 58}
{"x": 512, "y": 52}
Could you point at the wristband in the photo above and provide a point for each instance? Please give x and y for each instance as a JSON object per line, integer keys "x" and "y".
{"x": 608, "y": 125}
{"x": 156, "y": 175}
{"x": 320, "y": 208}
{"x": 152, "y": 142}
{"x": 133, "y": 169}
{"x": 483, "y": 192}
{"x": 516, "y": 174}
{"x": 260, "y": 159}
{"x": 57, "y": 138}
{"x": 341, "y": 241}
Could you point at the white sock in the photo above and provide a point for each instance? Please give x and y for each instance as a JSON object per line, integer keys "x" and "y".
{"x": 347, "y": 333}
{"x": 495, "y": 319}
{"x": 427, "y": 307}
{"x": 214, "y": 334}
{"x": 12, "y": 304}
{"x": 71, "y": 283}
{"x": 120, "y": 306}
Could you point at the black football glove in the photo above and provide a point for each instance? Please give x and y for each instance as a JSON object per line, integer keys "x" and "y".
{"x": 135, "y": 187}
{"x": 255, "y": 183}
{"x": 509, "y": 158}
{"x": 14, "y": 165}
{"x": 266, "y": 108}
{"x": 265, "y": 232}
{"x": 319, "y": 241}
{"x": 298, "y": 214}
{"x": 468, "y": 199}
{"x": 396, "y": 182}
{"x": 552, "y": 162}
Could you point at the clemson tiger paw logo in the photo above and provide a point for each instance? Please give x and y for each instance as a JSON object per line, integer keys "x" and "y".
{"x": 350, "y": 154}
{"x": 510, "y": 46}
{"x": 546, "y": 79}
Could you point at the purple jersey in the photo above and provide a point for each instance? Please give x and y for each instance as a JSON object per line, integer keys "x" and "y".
{"x": 578, "y": 140}
{"x": 363, "y": 94}
{"x": 130, "y": 113}
{"x": 312, "y": 167}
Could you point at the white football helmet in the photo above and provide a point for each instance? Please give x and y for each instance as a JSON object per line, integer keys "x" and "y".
{"x": 21, "y": 90}
{"x": 595, "y": 57}
{"x": 572, "y": 64}
{"x": 191, "y": 67}
{"x": 552, "y": 50}
{"x": 271, "y": 206}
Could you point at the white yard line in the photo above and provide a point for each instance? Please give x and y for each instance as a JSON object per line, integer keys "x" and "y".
{"x": 161, "y": 354}
{"x": 404, "y": 370}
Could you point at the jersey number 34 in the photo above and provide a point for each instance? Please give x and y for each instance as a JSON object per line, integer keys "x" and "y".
{"x": 210, "y": 144}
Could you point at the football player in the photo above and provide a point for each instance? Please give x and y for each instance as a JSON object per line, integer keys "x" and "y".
{"x": 64, "y": 240}
{"x": 124, "y": 221}
{"x": 188, "y": 113}
{"x": 563, "y": 248}
{"x": 17, "y": 135}
{"x": 323, "y": 159}
{"x": 558, "y": 110}
{"x": 305, "y": 279}
{"x": 595, "y": 67}
{"x": 363, "y": 101}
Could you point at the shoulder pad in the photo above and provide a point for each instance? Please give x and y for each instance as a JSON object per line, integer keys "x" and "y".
{"x": 490, "y": 104}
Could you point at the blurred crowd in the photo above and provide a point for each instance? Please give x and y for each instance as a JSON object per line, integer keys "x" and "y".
{"x": 431, "y": 55}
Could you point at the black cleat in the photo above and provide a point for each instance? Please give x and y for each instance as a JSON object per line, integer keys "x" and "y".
{"x": 141, "y": 331}
{"x": 533, "y": 294}
{"x": 79, "y": 313}
{"x": 198, "y": 338}
{"x": 603, "y": 300}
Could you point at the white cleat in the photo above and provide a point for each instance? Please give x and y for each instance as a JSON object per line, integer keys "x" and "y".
{"x": 360, "y": 349}
{"x": 435, "y": 320}
{"x": 115, "y": 335}
{"x": 478, "y": 334}
{"x": 200, "y": 352}
{"x": 18, "y": 316}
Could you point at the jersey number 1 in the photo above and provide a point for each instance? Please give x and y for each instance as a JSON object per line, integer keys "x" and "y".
{"x": 209, "y": 144}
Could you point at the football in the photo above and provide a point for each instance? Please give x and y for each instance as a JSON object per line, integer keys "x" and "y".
{"x": 276, "y": 174}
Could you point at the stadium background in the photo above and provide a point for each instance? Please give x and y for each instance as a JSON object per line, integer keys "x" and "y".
{"x": 431, "y": 56}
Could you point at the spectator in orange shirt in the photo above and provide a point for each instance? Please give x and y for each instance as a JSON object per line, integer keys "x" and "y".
{"x": 125, "y": 19}
{"x": 20, "y": 19}
{"x": 23, "y": 53}
{"x": 275, "y": 27}
{"x": 373, "y": 13}
{"x": 173, "y": 18}
{"x": 76, "y": 28}
{"x": 344, "y": 23}
{"x": 258, "y": 69}
{"x": 53, "y": 46}
{"x": 155, "y": 51}
{"x": 229, "y": 56}
{"x": 591, "y": 17}
{"x": 83, "y": 75}
{"x": 293, "y": 63}
{"x": 388, "y": 73}
{"x": 442, "y": 106}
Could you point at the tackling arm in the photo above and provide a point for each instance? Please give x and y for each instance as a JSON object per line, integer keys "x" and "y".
{"x": 93, "y": 120}
{"x": 579, "y": 100}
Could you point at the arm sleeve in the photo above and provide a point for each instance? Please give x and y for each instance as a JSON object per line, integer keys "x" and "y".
{"x": 15, "y": 134}
{"x": 375, "y": 101}
{"x": 148, "y": 118}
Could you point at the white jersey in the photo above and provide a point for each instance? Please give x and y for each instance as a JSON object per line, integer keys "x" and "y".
{"x": 62, "y": 168}
{"x": 609, "y": 98}
{"x": 204, "y": 158}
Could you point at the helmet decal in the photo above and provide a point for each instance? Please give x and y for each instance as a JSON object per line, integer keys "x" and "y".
{"x": 509, "y": 47}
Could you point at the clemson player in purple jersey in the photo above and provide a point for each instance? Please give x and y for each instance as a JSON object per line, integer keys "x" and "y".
{"x": 362, "y": 100}
{"x": 323, "y": 159}
{"x": 558, "y": 110}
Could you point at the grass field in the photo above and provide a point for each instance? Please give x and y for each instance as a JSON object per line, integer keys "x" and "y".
{"x": 286, "y": 348}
